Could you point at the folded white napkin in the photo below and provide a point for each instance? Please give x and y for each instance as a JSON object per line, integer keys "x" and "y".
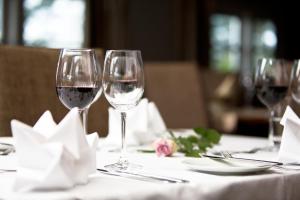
{"x": 143, "y": 125}
{"x": 290, "y": 142}
{"x": 53, "y": 156}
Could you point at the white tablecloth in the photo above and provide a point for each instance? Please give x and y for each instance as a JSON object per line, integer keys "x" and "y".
{"x": 273, "y": 184}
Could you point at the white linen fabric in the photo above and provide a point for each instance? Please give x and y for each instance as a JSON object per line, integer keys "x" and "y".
{"x": 290, "y": 143}
{"x": 275, "y": 184}
{"x": 143, "y": 125}
{"x": 52, "y": 156}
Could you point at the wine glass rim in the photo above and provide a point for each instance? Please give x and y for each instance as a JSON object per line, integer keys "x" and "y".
{"x": 123, "y": 50}
{"x": 273, "y": 59}
{"x": 78, "y": 49}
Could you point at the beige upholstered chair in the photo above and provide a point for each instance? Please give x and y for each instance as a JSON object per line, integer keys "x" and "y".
{"x": 176, "y": 89}
{"x": 27, "y": 88}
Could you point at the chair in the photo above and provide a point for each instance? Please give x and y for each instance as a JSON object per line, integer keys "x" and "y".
{"x": 226, "y": 109}
{"x": 27, "y": 88}
{"x": 176, "y": 89}
{"x": 222, "y": 95}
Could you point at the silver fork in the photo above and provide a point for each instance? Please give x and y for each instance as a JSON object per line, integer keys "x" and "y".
{"x": 250, "y": 151}
{"x": 227, "y": 155}
{"x": 279, "y": 165}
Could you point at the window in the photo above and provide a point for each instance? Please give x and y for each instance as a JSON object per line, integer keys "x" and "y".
{"x": 225, "y": 42}
{"x": 1, "y": 20}
{"x": 264, "y": 39}
{"x": 237, "y": 43}
{"x": 54, "y": 23}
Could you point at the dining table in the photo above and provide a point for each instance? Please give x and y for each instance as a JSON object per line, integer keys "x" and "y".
{"x": 274, "y": 183}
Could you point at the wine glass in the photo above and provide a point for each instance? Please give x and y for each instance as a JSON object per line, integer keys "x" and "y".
{"x": 272, "y": 80}
{"x": 123, "y": 86}
{"x": 295, "y": 82}
{"x": 78, "y": 80}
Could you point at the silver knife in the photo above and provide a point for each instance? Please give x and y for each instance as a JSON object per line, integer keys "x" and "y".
{"x": 139, "y": 176}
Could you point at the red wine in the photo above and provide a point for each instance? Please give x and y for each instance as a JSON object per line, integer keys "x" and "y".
{"x": 271, "y": 95}
{"x": 79, "y": 97}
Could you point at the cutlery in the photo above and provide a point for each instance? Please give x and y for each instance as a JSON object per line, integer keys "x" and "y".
{"x": 6, "y": 148}
{"x": 7, "y": 170}
{"x": 279, "y": 165}
{"x": 250, "y": 151}
{"x": 245, "y": 159}
{"x": 140, "y": 176}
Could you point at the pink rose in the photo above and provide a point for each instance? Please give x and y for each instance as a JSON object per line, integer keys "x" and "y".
{"x": 164, "y": 147}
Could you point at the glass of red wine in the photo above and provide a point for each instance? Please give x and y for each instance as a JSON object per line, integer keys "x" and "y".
{"x": 123, "y": 86}
{"x": 78, "y": 80}
{"x": 272, "y": 79}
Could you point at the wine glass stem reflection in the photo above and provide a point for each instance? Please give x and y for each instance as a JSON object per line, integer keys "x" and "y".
{"x": 275, "y": 130}
{"x": 271, "y": 128}
{"x": 123, "y": 157}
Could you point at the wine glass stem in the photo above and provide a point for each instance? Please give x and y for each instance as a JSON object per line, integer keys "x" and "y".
{"x": 123, "y": 129}
{"x": 271, "y": 128}
{"x": 84, "y": 118}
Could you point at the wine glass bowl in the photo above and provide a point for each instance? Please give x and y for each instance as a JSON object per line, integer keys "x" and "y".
{"x": 295, "y": 82}
{"x": 124, "y": 84}
{"x": 272, "y": 79}
{"x": 78, "y": 79}
{"x": 123, "y": 87}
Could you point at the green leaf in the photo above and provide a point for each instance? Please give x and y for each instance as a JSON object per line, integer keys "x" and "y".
{"x": 192, "y": 139}
{"x": 203, "y": 145}
{"x": 200, "y": 131}
{"x": 187, "y": 145}
{"x": 213, "y": 136}
{"x": 146, "y": 151}
{"x": 193, "y": 154}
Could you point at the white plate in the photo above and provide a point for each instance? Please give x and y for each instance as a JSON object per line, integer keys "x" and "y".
{"x": 225, "y": 166}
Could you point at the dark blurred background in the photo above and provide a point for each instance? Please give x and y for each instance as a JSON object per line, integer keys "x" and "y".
{"x": 224, "y": 37}
{"x": 163, "y": 29}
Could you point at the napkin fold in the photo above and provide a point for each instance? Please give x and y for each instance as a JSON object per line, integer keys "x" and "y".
{"x": 143, "y": 125}
{"x": 290, "y": 142}
{"x": 53, "y": 156}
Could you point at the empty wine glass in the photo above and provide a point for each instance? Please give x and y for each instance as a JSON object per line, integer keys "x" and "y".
{"x": 123, "y": 85}
{"x": 78, "y": 80}
{"x": 295, "y": 82}
{"x": 272, "y": 80}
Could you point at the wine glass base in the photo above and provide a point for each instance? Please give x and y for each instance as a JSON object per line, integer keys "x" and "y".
{"x": 271, "y": 148}
{"x": 122, "y": 166}
{"x": 275, "y": 148}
